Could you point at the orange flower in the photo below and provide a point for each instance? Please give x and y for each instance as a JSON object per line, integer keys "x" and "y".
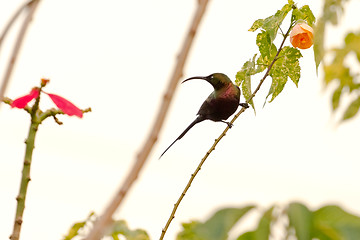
{"x": 302, "y": 36}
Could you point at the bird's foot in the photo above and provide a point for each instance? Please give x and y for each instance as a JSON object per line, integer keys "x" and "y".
{"x": 244, "y": 105}
{"x": 229, "y": 124}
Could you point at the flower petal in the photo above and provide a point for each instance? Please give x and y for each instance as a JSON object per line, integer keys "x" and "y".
{"x": 21, "y": 102}
{"x": 66, "y": 106}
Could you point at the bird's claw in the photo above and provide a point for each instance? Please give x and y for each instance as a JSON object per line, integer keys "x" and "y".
{"x": 229, "y": 124}
{"x": 244, "y": 105}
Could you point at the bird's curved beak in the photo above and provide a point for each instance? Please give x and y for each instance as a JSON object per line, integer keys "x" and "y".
{"x": 198, "y": 77}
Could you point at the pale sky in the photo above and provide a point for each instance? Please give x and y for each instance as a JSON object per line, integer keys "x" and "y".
{"x": 116, "y": 57}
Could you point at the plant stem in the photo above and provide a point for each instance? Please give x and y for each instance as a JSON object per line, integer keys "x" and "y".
{"x": 25, "y": 179}
{"x": 212, "y": 148}
{"x": 106, "y": 218}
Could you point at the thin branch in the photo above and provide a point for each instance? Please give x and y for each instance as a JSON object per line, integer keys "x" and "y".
{"x": 212, "y": 148}
{"x": 12, "y": 21}
{"x": 32, "y": 5}
{"x": 106, "y": 218}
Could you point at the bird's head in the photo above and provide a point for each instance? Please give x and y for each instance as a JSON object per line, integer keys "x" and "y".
{"x": 217, "y": 80}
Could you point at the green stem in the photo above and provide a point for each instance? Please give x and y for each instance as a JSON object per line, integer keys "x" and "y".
{"x": 24, "y": 180}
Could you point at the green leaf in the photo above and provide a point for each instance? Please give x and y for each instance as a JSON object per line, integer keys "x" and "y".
{"x": 338, "y": 70}
{"x": 243, "y": 78}
{"x": 301, "y": 220}
{"x": 263, "y": 230}
{"x": 120, "y": 228}
{"x": 75, "y": 228}
{"x": 319, "y": 50}
{"x": 287, "y": 65}
{"x": 303, "y": 13}
{"x": 309, "y": 16}
{"x": 247, "y": 236}
{"x": 352, "y": 41}
{"x": 336, "y": 97}
{"x": 331, "y": 11}
{"x": 271, "y": 24}
{"x": 188, "y": 232}
{"x": 256, "y": 25}
{"x": 266, "y": 48}
{"x": 334, "y": 223}
{"x": 215, "y": 228}
{"x": 352, "y": 109}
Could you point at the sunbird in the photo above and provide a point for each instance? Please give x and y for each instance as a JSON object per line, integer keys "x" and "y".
{"x": 219, "y": 105}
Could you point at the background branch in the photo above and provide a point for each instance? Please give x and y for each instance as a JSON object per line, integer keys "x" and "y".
{"x": 106, "y": 218}
{"x": 31, "y": 6}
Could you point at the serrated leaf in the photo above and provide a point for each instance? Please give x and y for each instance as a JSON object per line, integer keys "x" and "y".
{"x": 334, "y": 223}
{"x": 278, "y": 83}
{"x": 271, "y": 24}
{"x": 246, "y": 89}
{"x": 263, "y": 42}
{"x": 291, "y": 60}
{"x": 287, "y": 65}
{"x": 300, "y": 219}
{"x": 216, "y": 227}
{"x": 262, "y": 64}
{"x": 303, "y": 13}
{"x": 352, "y": 109}
{"x": 243, "y": 78}
{"x": 256, "y": 25}
{"x": 308, "y": 15}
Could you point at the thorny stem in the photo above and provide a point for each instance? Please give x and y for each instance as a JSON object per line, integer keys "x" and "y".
{"x": 37, "y": 116}
{"x": 212, "y": 148}
{"x": 25, "y": 179}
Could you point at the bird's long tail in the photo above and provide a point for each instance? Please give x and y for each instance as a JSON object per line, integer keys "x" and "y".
{"x": 200, "y": 118}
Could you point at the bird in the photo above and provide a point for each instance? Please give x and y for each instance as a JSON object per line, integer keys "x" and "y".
{"x": 219, "y": 105}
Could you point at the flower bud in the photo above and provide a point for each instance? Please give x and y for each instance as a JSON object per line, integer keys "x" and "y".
{"x": 301, "y": 36}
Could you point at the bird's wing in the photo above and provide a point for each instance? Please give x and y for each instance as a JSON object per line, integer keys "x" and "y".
{"x": 207, "y": 107}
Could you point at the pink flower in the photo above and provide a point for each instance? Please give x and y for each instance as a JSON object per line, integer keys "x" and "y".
{"x": 21, "y": 102}
{"x": 65, "y": 106}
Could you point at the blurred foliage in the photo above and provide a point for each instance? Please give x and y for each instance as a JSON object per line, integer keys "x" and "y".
{"x": 342, "y": 70}
{"x": 286, "y": 63}
{"x": 118, "y": 230}
{"x": 295, "y": 220}
{"x": 77, "y": 228}
{"x": 216, "y": 227}
{"x": 326, "y": 223}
